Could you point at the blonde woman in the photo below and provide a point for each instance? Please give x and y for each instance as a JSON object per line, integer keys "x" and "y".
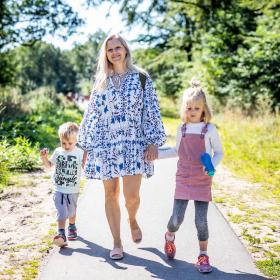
{"x": 121, "y": 131}
{"x": 195, "y": 137}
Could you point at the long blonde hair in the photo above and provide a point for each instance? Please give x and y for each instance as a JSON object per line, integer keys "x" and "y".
{"x": 193, "y": 94}
{"x": 105, "y": 67}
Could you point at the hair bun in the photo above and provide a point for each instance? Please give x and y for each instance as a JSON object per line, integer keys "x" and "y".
{"x": 194, "y": 83}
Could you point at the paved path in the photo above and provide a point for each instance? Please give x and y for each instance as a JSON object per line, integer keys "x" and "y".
{"x": 87, "y": 257}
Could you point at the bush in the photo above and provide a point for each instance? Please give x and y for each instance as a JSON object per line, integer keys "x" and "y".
{"x": 22, "y": 156}
{"x": 4, "y": 172}
{"x": 11, "y": 103}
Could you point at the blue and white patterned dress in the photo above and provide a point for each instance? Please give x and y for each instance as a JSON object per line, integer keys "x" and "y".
{"x": 117, "y": 127}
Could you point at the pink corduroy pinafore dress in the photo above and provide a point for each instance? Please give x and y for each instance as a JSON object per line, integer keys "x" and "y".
{"x": 191, "y": 181}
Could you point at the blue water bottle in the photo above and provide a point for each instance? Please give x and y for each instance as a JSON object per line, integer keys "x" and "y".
{"x": 207, "y": 162}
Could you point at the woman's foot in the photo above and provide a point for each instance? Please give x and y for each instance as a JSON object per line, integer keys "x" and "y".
{"x": 169, "y": 246}
{"x": 116, "y": 253}
{"x": 136, "y": 232}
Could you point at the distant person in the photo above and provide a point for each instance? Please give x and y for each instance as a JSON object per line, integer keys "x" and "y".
{"x": 68, "y": 162}
{"x": 121, "y": 132}
{"x": 195, "y": 136}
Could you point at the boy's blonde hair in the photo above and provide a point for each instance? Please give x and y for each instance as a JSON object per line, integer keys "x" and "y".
{"x": 105, "y": 67}
{"x": 193, "y": 94}
{"x": 68, "y": 129}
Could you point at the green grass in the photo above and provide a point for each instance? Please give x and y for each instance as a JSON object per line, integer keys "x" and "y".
{"x": 219, "y": 199}
{"x": 275, "y": 247}
{"x": 252, "y": 149}
{"x": 30, "y": 269}
{"x": 270, "y": 267}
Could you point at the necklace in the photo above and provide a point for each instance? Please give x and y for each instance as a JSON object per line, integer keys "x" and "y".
{"x": 117, "y": 79}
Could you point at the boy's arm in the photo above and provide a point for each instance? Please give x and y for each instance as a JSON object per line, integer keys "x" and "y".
{"x": 44, "y": 157}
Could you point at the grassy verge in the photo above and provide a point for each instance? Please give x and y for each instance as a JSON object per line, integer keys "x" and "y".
{"x": 27, "y": 269}
{"x": 252, "y": 149}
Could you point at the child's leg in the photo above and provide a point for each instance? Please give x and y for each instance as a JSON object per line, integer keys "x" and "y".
{"x": 177, "y": 217}
{"x": 61, "y": 225}
{"x": 72, "y": 220}
{"x": 72, "y": 208}
{"x": 179, "y": 209}
{"x": 201, "y": 209}
{"x": 61, "y": 207}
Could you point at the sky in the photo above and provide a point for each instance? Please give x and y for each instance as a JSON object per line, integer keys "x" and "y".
{"x": 95, "y": 18}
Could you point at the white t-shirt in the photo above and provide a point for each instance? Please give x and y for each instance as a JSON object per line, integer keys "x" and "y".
{"x": 67, "y": 173}
{"x": 212, "y": 140}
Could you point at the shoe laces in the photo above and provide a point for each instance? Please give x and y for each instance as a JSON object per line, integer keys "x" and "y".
{"x": 203, "y": 259}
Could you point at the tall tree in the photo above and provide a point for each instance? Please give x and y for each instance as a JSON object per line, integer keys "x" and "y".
{"x": 28, "y": 21}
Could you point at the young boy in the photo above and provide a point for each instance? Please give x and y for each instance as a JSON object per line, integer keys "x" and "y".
{"x": 68, "y": 161}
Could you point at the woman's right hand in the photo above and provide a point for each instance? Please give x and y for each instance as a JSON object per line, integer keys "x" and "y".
{"x": 151, "y": 153}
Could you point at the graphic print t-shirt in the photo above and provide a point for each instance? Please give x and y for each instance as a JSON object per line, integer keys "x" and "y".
{"x": 67, "y": 173}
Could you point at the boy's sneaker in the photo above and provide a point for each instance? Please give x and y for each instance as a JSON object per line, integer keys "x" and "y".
{"x": 60, "y": 240}
{"x": 169, "y": 248}
{"x": 72, "y": 233}
{"x": 203, "y": 264}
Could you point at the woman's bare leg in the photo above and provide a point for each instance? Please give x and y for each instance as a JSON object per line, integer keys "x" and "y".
{"x": 131, "y": 189}
{"x": 112, "y": 208}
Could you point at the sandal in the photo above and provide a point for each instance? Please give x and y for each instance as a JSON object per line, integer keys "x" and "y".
{"x": 116, "y": 254}
{"x": 136, "y": 233}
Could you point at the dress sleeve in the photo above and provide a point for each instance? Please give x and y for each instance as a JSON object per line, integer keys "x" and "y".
{"x": 216, "y": 146}
{"x": 88, "y": 123}
{"x": 151, "y": 119}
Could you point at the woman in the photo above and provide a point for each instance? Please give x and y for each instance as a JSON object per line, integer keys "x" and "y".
{"x": 121, "y": 131}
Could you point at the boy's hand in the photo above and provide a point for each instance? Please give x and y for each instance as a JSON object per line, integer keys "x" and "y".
{"x": 44, "y": 153}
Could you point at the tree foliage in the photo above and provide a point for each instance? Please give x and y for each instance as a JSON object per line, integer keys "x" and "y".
{"x": 43, "y": 65}
{"x": 28, "y": 21}
{"x": 232, "y": 45}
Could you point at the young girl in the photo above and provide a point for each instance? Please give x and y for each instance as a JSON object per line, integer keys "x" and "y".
{"x": 195, "y": 136}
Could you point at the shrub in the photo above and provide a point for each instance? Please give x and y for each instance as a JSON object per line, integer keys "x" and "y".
{"x": 4, "y": 172}
{"x": 22, "y": 156}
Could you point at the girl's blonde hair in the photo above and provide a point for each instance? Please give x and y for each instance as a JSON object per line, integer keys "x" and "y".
{"x": 68, "y": 129}
{"x": 193, "y": 94}
{"x": 105, "y": 67}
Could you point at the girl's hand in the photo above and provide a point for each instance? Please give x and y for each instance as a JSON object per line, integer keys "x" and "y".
{"x": 151, "y": 153}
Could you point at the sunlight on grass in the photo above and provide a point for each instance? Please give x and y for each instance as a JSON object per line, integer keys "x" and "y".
{"x": 251, "y": 149}
{"x": 270, "y": 267}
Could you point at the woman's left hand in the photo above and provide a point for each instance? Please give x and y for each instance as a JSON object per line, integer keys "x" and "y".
{"x": 151, "y": 152}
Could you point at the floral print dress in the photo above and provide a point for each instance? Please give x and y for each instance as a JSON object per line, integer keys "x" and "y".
{"x": 117, "y": 127}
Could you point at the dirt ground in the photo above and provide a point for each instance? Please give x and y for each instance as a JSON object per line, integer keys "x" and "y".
{"x": 27, "y": 214}
{"x": 27, "y": 221}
